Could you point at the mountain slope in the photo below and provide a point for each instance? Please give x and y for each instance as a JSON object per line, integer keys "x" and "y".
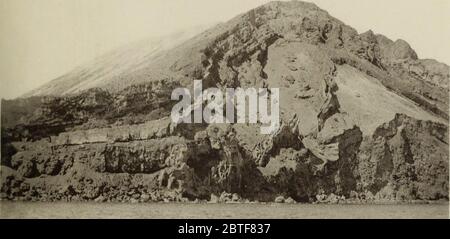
{"x": 112, "y": 65}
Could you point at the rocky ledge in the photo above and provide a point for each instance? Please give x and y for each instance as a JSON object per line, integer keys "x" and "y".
{"x": 389, "y": 166}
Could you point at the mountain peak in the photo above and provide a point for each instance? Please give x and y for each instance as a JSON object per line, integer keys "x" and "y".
{"x": 216, "y": 54}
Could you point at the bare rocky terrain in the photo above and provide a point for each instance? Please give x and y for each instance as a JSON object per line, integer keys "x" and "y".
{"x": 363, "y": 120}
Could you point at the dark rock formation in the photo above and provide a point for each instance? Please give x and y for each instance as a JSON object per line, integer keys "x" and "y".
{"x": 406, "y": 159}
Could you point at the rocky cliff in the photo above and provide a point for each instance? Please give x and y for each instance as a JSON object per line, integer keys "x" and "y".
{"x": 362, "y": 119}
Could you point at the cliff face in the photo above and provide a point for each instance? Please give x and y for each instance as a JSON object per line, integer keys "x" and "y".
{"x": 361, "y": 117}
{"x": 406, "y": 159}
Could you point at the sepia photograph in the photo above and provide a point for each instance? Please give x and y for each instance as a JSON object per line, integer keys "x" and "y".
{"x": 224, "y": 109}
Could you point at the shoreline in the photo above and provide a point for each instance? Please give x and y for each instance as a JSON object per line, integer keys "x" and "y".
{"x": 204, "y": 202}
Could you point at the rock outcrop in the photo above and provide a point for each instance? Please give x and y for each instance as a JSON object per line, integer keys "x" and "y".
{"x": 406, "y": 159}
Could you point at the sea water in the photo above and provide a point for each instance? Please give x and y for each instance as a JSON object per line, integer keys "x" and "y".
{"x": 203, "y": 210}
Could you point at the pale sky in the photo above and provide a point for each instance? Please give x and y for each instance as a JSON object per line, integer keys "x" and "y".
{"x": 43, "y": 39}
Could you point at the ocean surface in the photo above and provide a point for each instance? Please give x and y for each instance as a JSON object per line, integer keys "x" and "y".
{"x": 188, "y": 210}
